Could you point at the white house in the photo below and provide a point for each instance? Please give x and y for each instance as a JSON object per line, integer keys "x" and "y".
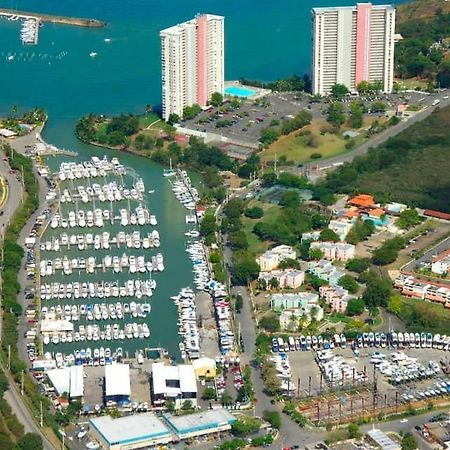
{"x": 335, "y": 250}
{"x": 286, "y": 278}
{"x": 440, "y": 264}
{"x": 341, "y": 227}
{"x": 269, "y": 260}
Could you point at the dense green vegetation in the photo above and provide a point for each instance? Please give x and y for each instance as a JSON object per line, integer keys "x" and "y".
{"x": 276, "y": 129}
{"x": 409, "y": 442}
{"x": 293, "y": 220}
{"x": 114, "y": 132}
{"x": 411, "y": 167}
{"x": 355, "y": 307}
{"x": 273, "y": 417}
{"x": 420, "y": 316}
{"x": 13, "y": 254}
{"x": 358, "y": 265}
{"x": 292, "y": 83}
{"x": 349, "y": 283}
{"x": 378, "y": 291}
{"x": 388, "y": 252}
{"x": 408, "y": 218}
{"x": 245, "y": 425}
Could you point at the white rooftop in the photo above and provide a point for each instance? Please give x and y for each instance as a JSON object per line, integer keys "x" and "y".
{"x": 60, "y": 378}
{"x": 117, "y": 380}
{"x": 384, "y": 441}
{"x": 179, "y": 28}
{"x": 203, "y": 362}
{"x": 183, "y": 374}
{"x": 130, "y": 428}
{"x": 7, "y": 133}
{"x": 76, "y": 381}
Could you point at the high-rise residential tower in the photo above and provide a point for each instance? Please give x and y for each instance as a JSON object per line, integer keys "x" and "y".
{"x": 192, "y": 60}
{"x": 353, "y": 44}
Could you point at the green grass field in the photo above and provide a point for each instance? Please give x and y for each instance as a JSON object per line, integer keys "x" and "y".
{"x": 419, "y": 316}
{"x": 146, "y": 120}
{"x": 294, "y": 146}
{"x": 256, "y": 246}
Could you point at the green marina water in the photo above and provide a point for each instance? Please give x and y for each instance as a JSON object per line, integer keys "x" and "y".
{"x": 264, "y": 40}
{"x": 162, "y": 319}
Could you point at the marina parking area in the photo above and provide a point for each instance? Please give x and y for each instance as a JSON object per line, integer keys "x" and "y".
{"x": 305, "y": 368}
{"x": 350, "y": 380}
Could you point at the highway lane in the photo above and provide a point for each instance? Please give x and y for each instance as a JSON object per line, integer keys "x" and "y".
{"x": 23, "y": 415}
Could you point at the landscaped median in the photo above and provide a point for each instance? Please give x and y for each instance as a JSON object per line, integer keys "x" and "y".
{"x": 13, "y": 255}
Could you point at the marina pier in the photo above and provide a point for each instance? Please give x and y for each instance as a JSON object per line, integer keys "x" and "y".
{"x": 50, "y": 18}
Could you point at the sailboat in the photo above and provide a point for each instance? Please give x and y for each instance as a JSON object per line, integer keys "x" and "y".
{"x": 169, "y": 172}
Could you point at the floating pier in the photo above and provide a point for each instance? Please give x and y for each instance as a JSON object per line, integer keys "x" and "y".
{"x": 31, "y": 22}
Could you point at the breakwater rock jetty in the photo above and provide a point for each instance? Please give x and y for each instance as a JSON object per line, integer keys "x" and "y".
{"x": 49, "y": 18}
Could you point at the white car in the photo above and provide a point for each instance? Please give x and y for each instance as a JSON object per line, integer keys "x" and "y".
{"x": 81, "y": 434}
{"x": 92, "y": 445}
{"x": 404, "y": 421}
{"x": 445, "y": 97}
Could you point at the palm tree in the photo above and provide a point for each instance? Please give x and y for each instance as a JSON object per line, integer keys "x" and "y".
{"x": 148, "y": 109}
{"x": 13, "y": 111}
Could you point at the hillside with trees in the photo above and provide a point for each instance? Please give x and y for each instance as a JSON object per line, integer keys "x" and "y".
{"x": 411, "y": 167}
{"x": 424, "y": 50}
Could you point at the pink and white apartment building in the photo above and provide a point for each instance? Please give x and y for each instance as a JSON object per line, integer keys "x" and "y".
{"x": 192, "y": 61}
{"x": 353, "y": 44}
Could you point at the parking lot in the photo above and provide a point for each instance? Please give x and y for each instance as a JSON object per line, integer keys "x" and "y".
{"x": 366, "y": 389}
{"x": 304, "y": 368}
{"x": 244, "y": 124}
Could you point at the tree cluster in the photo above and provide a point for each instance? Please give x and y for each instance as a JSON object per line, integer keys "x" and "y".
{"x": 272, "y": 133}
{"x": 290, "y": 84}
{"x": 388, "y": 252}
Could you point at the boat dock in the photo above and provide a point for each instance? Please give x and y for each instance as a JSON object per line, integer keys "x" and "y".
{"x": 31, "y": 22}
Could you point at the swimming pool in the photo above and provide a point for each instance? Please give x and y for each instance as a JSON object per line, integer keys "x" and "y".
{"x": 239, "y": 91}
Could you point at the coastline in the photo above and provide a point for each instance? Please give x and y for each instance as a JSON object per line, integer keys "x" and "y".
{"x": 62, "y": 20}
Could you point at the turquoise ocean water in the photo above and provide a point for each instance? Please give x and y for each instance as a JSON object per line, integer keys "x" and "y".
{"x": 265, "y": 39}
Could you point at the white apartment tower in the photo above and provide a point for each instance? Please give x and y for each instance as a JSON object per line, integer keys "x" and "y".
{"x": 353, "y": 44}
{"x": 192, "y": 60}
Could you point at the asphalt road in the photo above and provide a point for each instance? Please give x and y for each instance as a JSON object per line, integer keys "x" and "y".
{"x": 384, "y": 136}
{"x": 439, "y": 248}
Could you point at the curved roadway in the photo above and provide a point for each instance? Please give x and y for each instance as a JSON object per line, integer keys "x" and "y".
{"x": 385, "y": 135}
